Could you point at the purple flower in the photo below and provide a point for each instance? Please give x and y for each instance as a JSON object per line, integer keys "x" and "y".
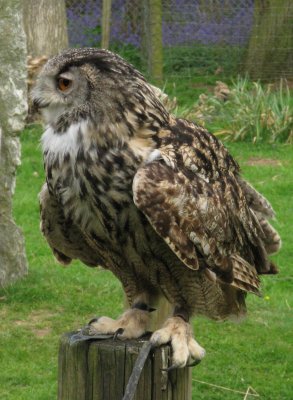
{"x": 184, "y": 22}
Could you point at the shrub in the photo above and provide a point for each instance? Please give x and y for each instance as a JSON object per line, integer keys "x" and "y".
{"x": 249, "y": 111}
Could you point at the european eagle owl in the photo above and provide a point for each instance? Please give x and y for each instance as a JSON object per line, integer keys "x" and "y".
{"x": 157, "y": 200}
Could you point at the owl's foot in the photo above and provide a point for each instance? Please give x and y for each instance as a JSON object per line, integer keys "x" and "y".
{"x": 185, "y": 348}
{"x": 132, "y": 324}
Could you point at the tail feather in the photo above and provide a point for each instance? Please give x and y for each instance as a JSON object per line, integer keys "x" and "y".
{"x": 255, "y": 200}
{"x": 272, "y": 240}
{"x": 245, "y": 275}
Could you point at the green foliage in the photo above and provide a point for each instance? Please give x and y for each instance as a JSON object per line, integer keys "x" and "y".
{"x": 251, "y": 112}
{"x": 52, "y": 300}
{"x": 202, "y": 60}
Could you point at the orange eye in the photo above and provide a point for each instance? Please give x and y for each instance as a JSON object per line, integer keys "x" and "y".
{"x": 64, "y": 84}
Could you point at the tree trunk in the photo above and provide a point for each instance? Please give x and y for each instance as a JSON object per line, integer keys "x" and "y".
{"x": 13, "y": 109}
{"x": 269, "y": 54}
{"x": 106, "y": 23}
{"x": 45, "y": 26}
{"x": 153, "y": 42}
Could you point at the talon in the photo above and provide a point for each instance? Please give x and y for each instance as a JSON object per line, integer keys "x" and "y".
{"x": 184, "y": 347}
{"x": 193, "y": 364}
{"x": 130, "y": 325}
{"x": 119, "y": 332}
{"x": 93, "y": 320}
{"x": 171, "y": 368}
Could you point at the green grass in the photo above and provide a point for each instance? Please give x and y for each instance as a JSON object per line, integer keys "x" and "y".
{"x": 187, "y": 60}
{"x": 52, "y": 300}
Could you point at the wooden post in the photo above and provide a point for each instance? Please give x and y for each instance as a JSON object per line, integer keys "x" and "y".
{"x": 100, "y": 369}
{"x": 163, "y": 311}
{"x": 106, "y": 18}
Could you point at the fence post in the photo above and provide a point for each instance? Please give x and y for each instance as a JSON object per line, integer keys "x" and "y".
{"x": 100, "y": 369}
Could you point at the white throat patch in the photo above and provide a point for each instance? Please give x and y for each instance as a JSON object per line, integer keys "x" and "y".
{"x": 56, "y": 145}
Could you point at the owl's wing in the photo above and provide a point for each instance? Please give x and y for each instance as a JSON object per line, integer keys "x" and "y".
{"x": 192, "y": 198}
{"x": 255, "y": 200}
{"x": 263, "y": 211}
{"x": 65, "y": 238}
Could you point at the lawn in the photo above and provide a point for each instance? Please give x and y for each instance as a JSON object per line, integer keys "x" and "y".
{"x": 52, "y": 300}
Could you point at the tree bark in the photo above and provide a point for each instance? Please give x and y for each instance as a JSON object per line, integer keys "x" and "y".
{"x": 269, "y": 54}
{"x": 153, "y": 39}
{"x": 45, "y": 26}
{"x": 13, "y": 109}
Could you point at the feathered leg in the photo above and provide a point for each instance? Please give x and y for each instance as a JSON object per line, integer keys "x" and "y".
{"x": 132, "y": 324}
{"x": 178, "y": 332}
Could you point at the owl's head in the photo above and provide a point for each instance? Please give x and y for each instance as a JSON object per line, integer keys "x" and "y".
{"x": 97, "y": 86}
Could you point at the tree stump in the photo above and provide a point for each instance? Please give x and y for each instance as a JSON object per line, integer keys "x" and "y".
{"x": 100, "y": 370}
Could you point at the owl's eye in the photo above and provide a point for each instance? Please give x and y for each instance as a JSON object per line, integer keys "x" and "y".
{"x": 63, "y": 84}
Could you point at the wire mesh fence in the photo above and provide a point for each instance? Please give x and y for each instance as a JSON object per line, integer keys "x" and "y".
{"x": 200, "y": 39}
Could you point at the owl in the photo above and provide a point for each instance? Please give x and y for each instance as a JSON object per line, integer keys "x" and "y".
{"x": 155, "y": 199}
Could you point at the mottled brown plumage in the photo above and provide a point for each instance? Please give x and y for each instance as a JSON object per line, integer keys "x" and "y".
{"x": 157, "y": 200}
